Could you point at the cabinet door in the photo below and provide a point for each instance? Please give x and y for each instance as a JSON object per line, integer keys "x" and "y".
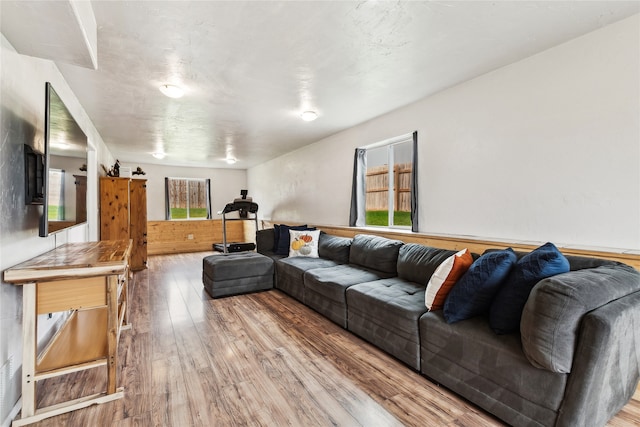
{"x": 114, "y": 208}
{"x": 138, "y": 225}
{"x": 81, "y": 198}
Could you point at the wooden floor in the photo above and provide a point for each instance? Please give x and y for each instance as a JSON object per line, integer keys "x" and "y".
{"x": 253, "y": 360}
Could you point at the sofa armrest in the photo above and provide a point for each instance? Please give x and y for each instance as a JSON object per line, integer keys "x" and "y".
{"x": 556, "y": 306}
{"x": 606, "y": 367}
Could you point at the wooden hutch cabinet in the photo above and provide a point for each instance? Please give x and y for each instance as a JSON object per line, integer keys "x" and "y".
{"x": 123, "y": 215}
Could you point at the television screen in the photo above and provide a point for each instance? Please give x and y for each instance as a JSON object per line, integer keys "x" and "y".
{"x": 65, "y": 198}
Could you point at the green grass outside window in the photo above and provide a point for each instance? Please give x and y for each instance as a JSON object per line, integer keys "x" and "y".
{"x": 381, "y": 218}
{"x": 55, "y": 213}
{"x": 181, "y": 213}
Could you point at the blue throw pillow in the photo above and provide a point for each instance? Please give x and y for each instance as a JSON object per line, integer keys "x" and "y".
{"x": 276, "y": 237}
{"x": 284, "y": 239}
{"x": 506, "y": 309}
{"x": 472, "y": 294}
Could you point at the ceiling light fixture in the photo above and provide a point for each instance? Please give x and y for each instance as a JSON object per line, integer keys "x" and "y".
{"x": 230, "y": 160}
{"x": 159, "y": 155}
{"x": 172, "y": 91}
{"x": 309, "y": 116}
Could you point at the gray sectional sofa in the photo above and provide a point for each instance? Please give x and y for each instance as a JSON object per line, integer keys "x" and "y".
{"x": 575, "y": 362}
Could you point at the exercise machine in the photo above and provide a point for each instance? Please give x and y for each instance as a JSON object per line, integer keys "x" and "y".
{"x": 247, "y": 211}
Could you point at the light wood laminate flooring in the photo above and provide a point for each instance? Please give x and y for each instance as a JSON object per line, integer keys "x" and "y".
{"x": 253, "y": 360}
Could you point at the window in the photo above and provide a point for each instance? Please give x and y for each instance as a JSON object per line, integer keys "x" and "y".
{"x": 188, "y": 198}
{"x": 55, "y": 195}
{"x": 384, "y": 185}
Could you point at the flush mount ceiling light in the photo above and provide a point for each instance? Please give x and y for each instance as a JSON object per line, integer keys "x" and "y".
{"x": 309, "y": 116}
{"x": 230, "y": 160}
{"x": 172, "y": 91}
{"x": 159, "y": 155}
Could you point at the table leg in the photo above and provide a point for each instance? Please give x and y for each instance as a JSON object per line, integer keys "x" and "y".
{"x": 29, "y": 349}
{"x": 112, "y": 332}
{"x": 125, "y": 296}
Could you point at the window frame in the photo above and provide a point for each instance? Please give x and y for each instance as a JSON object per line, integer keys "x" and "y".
{"x": 358, "y": 211}
{"x": 168, "y": 207}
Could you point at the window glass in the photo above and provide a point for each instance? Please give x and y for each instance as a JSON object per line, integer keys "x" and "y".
{"x": 198, "y": 204}
{"x": 402, "y": 154}
{"x": 188, "y": 198}
{"x": 377, "y": 187}
{"x": 388, "y": 190}
{"x": 55, "y": 196}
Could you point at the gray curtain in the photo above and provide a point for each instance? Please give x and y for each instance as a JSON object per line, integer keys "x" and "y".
{"x": 414, "y": 184}
{"x": 208, "y": 189}
{"x": 357, "y": 213}
{"x": 167, "y": 208}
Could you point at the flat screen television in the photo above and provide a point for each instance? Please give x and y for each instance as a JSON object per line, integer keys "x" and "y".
{"x": 65, "y": 168}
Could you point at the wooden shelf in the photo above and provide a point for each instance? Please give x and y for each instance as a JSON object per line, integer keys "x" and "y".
{"x": 80, "y": 340}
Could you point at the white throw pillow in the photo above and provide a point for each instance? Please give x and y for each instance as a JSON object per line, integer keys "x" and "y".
{"x": 304, "y": 243}
{"x": 445, "y": 276}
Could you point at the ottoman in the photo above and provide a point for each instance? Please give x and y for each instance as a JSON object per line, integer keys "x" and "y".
{"x": 236, "y": 273}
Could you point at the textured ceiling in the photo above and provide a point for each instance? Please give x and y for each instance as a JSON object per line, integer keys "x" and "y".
{"x": 249, "y": 68}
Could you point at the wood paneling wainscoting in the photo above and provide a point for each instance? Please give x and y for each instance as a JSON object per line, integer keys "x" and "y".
{"x": 171, "y": 237}
{"x": 460, "y": 242}
{"x": 260, "y": 359}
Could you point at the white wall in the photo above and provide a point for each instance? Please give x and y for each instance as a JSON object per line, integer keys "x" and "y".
{"x": 22, "y": 89}
{"x": 225, "y": 185}
{"x": 544, "y": 149}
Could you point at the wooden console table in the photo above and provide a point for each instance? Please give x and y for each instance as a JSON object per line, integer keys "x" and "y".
{"x": 89, "y": 280}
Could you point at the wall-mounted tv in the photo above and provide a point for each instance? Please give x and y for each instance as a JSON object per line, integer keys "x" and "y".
{"x": 65, "y": 166}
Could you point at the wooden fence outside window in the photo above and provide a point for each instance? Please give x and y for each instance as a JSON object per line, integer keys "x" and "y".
{"x": 377, "y": 188}
{"x": 180, "y": 188}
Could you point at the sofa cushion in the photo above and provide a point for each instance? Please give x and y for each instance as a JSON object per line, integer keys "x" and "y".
{"x": 554, "y": 310}
{"x": 324, "y": 289}
{"x": 290, "y": 272}
{"x": 334, "y": 248}
{"x": 577, "y": 262}
{"x": 385, "y": 313}
{"x": 303, "y": 243}
{"x": 445, "y": 276}
{"x": 473, "y": 293}
{"x": 417, "y": 263}
{"x": 374, "y": 252}
{"x": 332, "y": 282}
{"x": 264, "y": 241}
{"x": 507, "y": 306}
